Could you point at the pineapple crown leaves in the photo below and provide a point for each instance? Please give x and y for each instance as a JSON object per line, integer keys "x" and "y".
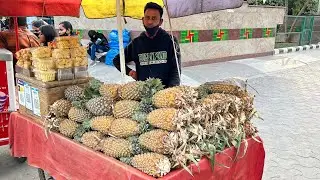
{"x": 126, "y": 160}
{"x": 92, "y": 89}
{"x": 136, "y": 148}
{"x": 83, "y": 128}
{"x": 80, "y": 104}
{"x": 139, "y": 116}
{"x": 150, "y": 87}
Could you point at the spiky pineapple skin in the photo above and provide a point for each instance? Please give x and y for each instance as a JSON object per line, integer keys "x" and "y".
{"x": 61, "y": 108}
{"x": 68, "y": 128}
{"x": 153, "y": 164}
{"x": 124, "y": 127}
{"x": 102, "y": 123}
{"x": 91, "y": 139}
{"x": 110, "y": 90}
{"x": 163, "y": 118}
{"x": 79, "y": 115}
{"x": 167, "y": 98}
{"x": 153, "y": 141}
{"x": 73, "y": 93}
{"x": 100, "y": 106}
{"x": 116, "y": 147}
{"x": 125, "y": 108}
{"x": 130, "y": 91}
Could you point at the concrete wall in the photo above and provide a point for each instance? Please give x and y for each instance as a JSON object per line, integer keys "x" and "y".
{"x": 253, "y": 21}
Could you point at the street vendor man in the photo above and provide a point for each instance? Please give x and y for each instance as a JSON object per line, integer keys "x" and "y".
{"x": 153, "y": 51}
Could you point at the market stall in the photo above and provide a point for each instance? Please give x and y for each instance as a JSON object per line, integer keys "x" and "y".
{"x": 66, "y": 159}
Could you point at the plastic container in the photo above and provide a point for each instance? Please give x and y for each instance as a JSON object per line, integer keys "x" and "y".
{"x": 65, "y": 74}
{"x": 45, "y": 76}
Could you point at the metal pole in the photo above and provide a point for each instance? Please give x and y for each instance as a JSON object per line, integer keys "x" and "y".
{"x": 120, "y": 37}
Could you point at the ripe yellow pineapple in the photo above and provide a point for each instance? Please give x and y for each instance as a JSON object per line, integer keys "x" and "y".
{"x": 124, "y": 128}
{"x": 131, "y": 91}
{"x": 153, "y": 164}
{"x": 167, "y": 98}
{"x": 175, "y": 97}
{"x": 110, "y": 90}
{"x": 68, "y": 128}
{"x": 100, "y": 106}
{"x": 102, "y": 123}
{"x": 115, "y": 147}
{"x": 61, "y": 108}
{"x": 125, "y": 108}
{"x": 153, "y": 141}
{"x": 163, "y": 118}
{"x": 92, "y": 139}
{"x": 79, "y": 115}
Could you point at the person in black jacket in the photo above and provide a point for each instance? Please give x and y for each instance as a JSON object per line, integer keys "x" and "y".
{"x": 153, "y": 51}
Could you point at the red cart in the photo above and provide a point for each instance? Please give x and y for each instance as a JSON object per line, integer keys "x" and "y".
{"x": 7, "y": 94}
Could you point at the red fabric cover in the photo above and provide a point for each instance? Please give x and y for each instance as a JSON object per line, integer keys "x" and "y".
{"x": 66, "y": 159}
{"x": 40, "y": 8}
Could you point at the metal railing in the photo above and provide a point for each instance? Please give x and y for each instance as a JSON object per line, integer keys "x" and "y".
{"x": 298, "y": 31}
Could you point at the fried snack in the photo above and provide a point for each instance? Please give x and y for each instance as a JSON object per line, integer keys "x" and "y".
{"x": 41, "y": 52}
{"x": 78, "y": 52}
{"x": 61, "y": 53}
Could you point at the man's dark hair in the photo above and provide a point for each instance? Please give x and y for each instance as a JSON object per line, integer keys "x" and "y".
{"x": 22, "y": 21}
{"x": 38, "y": 23}
{"x": 152, "y": 5}
{"x": 49, "y": 33}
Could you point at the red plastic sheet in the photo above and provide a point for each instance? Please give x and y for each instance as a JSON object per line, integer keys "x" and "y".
{"x": 66, "y": 159}
{"x": 40, "y": 8}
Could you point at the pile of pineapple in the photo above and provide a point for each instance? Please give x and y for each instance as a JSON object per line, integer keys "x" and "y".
{"x": 151, "y": 128}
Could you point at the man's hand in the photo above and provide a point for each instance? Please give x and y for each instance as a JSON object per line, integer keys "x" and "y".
{"x": 133, "y": 74}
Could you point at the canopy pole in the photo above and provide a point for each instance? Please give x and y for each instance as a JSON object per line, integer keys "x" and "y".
{"x": 120, "y": 37}
{"x": 165, "y": 2}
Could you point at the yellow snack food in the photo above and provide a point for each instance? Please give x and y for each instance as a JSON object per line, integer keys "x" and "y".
{"x": 41, "y": 52}
{"x": 78, "y": 52}
{"x": 45, "y": 76}
{"x": 44, "y": 65}
{"x": 61, "y": 53}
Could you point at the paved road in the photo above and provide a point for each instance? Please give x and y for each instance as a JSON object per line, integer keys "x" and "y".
{"x": 288, "y": 100}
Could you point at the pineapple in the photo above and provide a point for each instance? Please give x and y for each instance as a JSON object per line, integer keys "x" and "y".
{"x": 68, "y": 128}
{"x": 124, "y": 128}
{"x": 61, "y": 108}
{"x": 125, "y": 108}
{"x": 73, "y": 93}
{"x": 131, "y": 91}
{"x": 163, "y": 118}
{"x": 79, "y": 115}
{"x": 115, "y": 147}
{"x": 100, "y": 106}
{"x": 167, "y": 98}
{"x": 153, "y": 141}
{"x": 175, "y": 97}
{"x": 102, "y": 123}
{"x": 153, "y": 164}
{"x": 110, "y": 90}
{"x": 92, "y": 139}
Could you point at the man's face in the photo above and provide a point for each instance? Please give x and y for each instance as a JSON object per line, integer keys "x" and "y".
{"x": 152, "y": 18}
